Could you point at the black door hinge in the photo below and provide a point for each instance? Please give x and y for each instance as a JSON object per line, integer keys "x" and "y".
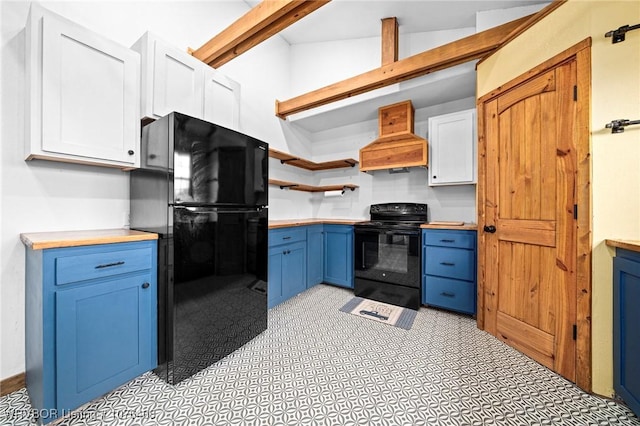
{"x": 575, "y": 93}
{"x": 575, "y": 211}
{"x": 575, "y": 332}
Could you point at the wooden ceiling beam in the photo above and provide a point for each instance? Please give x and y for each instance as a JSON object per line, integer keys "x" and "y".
{"x": 460, "y": 51}
{"x": 389, "y": 40}
{"x": 263, "y": 21}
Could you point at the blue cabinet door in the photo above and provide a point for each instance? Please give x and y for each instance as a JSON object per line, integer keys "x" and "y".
{"x": 338, "y": 255}
{"x": 274, "y": 289}
{"x": 626, "y": 328}
{"x": 105, "y": 334}
{"x": 294, "y": 276}
{"x": 315, "y": 255}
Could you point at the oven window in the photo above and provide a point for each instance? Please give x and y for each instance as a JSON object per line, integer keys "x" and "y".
{"x": 392, "y": 253}
{"x": 388, "y": 256}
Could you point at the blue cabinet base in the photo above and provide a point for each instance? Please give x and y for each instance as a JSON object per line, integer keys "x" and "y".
{"x": 626, "y": 327}
{"x": 449, "y": 269}
{"x": 91, "y": 322}
{"x": 303, "y": 256}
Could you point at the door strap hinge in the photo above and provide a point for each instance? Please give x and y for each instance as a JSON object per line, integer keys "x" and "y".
{"x": 575, "y": 211}
{"x": 575, "y": 93}
{"x": 575, "y": 332}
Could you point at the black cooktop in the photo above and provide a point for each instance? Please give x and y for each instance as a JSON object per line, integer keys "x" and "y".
{"x": 396, "y": 215}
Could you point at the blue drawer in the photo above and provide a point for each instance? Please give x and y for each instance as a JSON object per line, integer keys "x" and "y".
{"x": 449, "y": 262}
{"x": 81, "y": 267}
{"x": 445, "y": 238}
{"x": 450, "y": 294}
{"x": 287, "y": 235}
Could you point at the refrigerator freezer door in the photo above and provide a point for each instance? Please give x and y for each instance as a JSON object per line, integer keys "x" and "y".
{"x": 214, "y": 165}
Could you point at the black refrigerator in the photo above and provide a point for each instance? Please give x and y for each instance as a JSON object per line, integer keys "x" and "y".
{"x": 203, "y": 189}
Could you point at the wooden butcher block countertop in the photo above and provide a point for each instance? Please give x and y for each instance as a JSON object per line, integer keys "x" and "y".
{"x": 47, "y": 240}
{"x": 285, "y": 223}
{"x": 633, "y": 245}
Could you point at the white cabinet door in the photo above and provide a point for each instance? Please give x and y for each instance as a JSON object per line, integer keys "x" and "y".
{"x": 221, "y": 100}
{"x": 83, "y": 94}
{"x": 177, "y": 82}
{"x": 452, "y": 149}
{"x": 172, "y": 80}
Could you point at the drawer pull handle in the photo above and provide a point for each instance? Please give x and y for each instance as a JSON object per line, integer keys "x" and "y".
{"x": 109, "y": 265}
{"x": 447, "y": 263}
{"x": 145, "y": 285}
{"x": 286, "y": 238}
{"x": 444, "y": 293}
{"x": 447, "y": 241}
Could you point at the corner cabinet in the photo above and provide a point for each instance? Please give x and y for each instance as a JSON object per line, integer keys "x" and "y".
{"x": 83, "y": 92}
{"x": 449, "y": 269}
{"x": 452, "y": 148}
{"x": 91, "y": 322}
{"x": 173, "y": 80}
{"x": 303, "y": 256}
{"x": 626, "y": 327}
{"x": 338, "y": 255}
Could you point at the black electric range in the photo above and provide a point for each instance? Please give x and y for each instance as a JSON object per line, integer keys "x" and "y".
{"x": 388, "y": 255}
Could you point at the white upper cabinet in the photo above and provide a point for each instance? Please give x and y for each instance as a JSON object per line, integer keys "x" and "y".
{"x": 173, "y": 80}
{"x": 82, "y": 94}
{"x": 221, "y": 100}
{"x": 452, "y": 148}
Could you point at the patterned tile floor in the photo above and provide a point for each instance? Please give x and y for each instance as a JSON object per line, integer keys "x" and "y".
{"x": 318, "y": 366}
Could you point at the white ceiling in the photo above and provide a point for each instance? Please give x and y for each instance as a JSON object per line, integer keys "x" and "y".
{"x": 353, "y": 19}
{"x": 350, "y": 19}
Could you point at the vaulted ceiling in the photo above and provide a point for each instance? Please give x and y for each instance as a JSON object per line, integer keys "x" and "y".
{"x": 352, "y": 19}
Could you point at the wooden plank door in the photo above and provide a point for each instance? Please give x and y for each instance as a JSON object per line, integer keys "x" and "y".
{"x": 529, "y": 196}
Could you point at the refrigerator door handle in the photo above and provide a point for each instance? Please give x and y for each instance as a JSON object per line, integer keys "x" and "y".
{"x": 209, "y": 210}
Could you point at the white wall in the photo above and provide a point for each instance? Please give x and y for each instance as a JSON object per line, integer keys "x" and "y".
{"x": 445, "y": 203}
{"x": 314, "y": 65}
{"x": 48, "y": 196}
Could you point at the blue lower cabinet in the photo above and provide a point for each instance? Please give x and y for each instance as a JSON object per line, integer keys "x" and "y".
{"x": 626, "y": 327}
{"x": 449, "y": 269}
{"x": 315, "y": 254}
{"x": 91, "y": 322}
{"x": 287, "y": 264}
{"x": 303, "y": 256}
{"x": 100, "y": 338}
{"x": 338, "y": 255}
{"x": 274, "y": 286}
{"x": 294, "y": 269}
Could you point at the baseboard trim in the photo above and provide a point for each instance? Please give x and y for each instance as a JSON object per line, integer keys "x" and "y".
{"x": 12, "y": 384}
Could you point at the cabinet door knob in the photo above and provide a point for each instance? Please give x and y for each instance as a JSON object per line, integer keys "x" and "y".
{"x": 130, "y": 152}
{"x": 145, "y": 285}
{"x": 490, "y": 229}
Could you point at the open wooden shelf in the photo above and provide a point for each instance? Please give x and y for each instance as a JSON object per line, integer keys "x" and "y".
{"x": 292, "y": 160}
{"x": 283, "y": 184}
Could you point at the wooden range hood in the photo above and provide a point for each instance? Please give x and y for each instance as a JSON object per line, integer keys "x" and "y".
{"x": 397, "y": 147}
